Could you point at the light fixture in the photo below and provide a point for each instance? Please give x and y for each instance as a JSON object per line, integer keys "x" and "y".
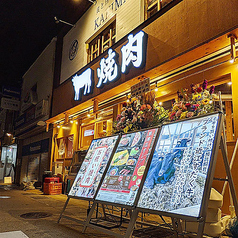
{"x": 229, "y": 83}
{"x": 58, "y": 126}
{"x": 71, "y": 121}
{"x": 8, "y": 134}
{"x": 61, "y": 21}
{"x": 160, "y": 103}
{"x": 76, "y": 123}
{"x": 128, "y": 98}
{"x": 93, "y": 1}
{"x": 88, "y": 114}
{"x": 156, "y": 88}
{"x": 233, "y": 38}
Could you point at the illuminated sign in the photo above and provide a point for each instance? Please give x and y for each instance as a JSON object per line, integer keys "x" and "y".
{"x": 177, "y": 176}
{"x": 92, "y": 169}
{"x": 133, "y": 54}
{"x": 109, "y": 70}
{"x": 84, "y": 80}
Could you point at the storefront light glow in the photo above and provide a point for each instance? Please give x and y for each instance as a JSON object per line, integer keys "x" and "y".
{"x": 229, "y": 83}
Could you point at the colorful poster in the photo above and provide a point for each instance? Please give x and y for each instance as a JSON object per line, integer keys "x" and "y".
{"x": 127, "y": 167}
{"x": 61, "y": 148}
{"x": 91, "y": 171}
{"x": 176, "y": 178}
{"x": 70, "y": 146}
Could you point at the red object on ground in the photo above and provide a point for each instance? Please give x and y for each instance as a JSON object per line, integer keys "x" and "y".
{"x": 52, "y": 188}
{"x": 52, "y": 180}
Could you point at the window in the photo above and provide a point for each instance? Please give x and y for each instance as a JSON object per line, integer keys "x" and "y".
{"x": 153, "y": 6}
{"x": 102, "y": 42}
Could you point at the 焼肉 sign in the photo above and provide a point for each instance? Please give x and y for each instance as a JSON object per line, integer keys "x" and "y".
{"x": 133, "y": 55}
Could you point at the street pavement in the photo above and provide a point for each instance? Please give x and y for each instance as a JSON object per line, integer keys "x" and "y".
{"x": 14, "y": 202}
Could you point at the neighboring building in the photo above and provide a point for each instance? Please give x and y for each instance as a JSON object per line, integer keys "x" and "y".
{"x": 10, "y": 102}
{"x": 30, "y": 130}
{"x": 187, "y": 42}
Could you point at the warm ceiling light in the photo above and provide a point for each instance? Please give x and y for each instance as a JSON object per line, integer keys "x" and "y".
{"x": 233, "y": 47}
{"x": 156, "y": 88}
{"x": 229, "y": 83}
{"x": 58, "y": 126}
{"x": 71, "y": 121}
{"x": 160, "y": 103}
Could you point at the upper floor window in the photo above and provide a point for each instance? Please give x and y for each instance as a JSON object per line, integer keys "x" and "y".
{"x": 153, "y": 6}
{"x": 102, "y": 42}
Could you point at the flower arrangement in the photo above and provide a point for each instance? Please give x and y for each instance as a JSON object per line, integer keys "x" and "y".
{"x": 145, "y": 112}
{"x": 140, "y": 113}
{"x": 197, "y": 102}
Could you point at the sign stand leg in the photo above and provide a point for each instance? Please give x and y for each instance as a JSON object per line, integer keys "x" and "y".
{"x": 89, "y": 217}
{"x": 131, "y": 224}
{"x": 229, "y": 176}
{"x": 201, "y": 226}
{"x": 65, "y": 205}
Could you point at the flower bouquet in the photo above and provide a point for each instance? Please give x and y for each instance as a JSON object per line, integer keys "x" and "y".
{"x": 199, "y": 101}
{"x": 140, "y": 113}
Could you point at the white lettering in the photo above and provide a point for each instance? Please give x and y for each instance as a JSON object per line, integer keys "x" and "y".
{"x": 133, "y": 52}
{"x": 108, "y": 70}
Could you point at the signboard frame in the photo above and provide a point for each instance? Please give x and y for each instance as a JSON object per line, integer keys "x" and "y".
{"x": 104, "y": 172}
{"x": 209, "y": 178}
{"x": 99, "y": 184}
{"x": 218, "y": 141}
{"x": 143, "y": 176}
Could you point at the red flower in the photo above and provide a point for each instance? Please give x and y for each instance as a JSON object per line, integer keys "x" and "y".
{"x": 118, "y": 117}
{"x": 188, "y": 105}
{"x": 199, "y": 89}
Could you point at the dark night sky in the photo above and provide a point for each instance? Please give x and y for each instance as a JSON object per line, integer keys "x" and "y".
{"x": 27, "y": 27}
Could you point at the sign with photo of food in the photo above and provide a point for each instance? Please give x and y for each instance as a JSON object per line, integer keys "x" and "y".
{"x": 91, "y": 171}
{"x": 178, "y": 173}
{"x": 127, "y": 167}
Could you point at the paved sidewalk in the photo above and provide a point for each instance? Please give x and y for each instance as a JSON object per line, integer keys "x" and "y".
{"x": 15, "y": 202}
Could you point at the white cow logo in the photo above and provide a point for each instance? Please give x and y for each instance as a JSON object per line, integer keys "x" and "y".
{"x": 83, "y": 80}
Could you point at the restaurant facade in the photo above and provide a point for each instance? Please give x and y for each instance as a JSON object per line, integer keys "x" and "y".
{"x": 164, "y": 45}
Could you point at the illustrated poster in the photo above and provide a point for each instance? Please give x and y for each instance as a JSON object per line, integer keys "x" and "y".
{"x": 70, "y": 146}
{"x": 178, "y": 171}
{"x": 127, "y": 167}
{"x": 61, "y": 148}
{"x": 93, "y": 166}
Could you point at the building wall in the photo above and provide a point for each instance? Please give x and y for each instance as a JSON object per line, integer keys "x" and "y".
{"x": 40, "y": 73}
{"x": 128, "y": 14}
{"x": 184, "y": 27}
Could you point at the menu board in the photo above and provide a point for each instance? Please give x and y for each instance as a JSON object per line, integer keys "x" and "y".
{"x": 94, "y": 164}
{"x": 176, "y": 178}
{"x": 127, "y": 167}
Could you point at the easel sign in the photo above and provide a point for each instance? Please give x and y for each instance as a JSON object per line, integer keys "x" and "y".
{"x": 178, "y": 182}
{"x": 125, "y": 173}
{"x": 91, "y": 171}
